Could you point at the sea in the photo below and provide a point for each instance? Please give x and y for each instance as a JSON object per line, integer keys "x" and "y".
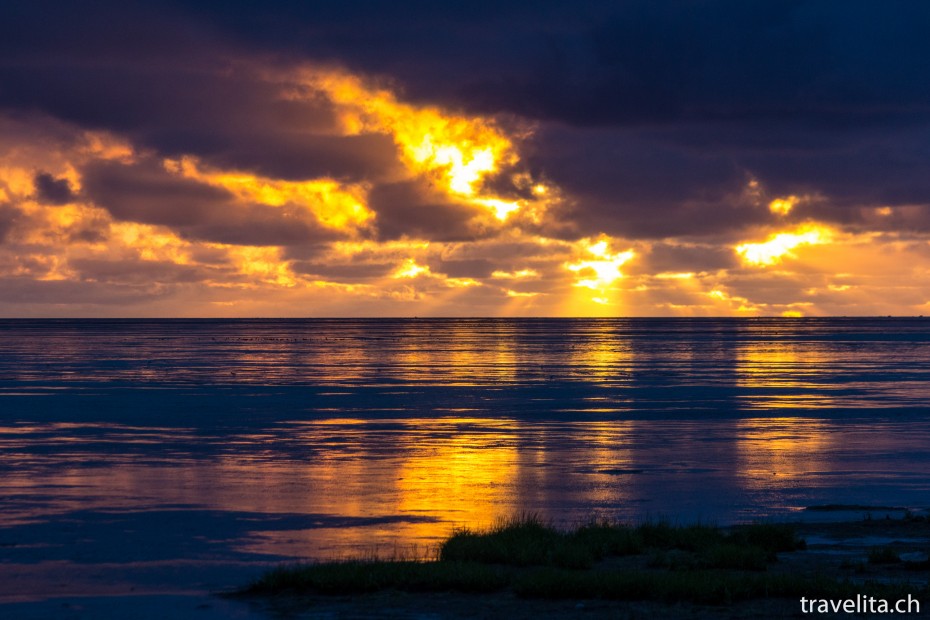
{"x": 175, "y": 458}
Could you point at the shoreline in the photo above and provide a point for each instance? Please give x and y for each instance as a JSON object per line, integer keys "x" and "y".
{"x": 872, "y": 555}
{"x": 838, "y": 547}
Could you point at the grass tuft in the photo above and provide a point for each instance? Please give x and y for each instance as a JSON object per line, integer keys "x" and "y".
{"x": 522, "y": 541}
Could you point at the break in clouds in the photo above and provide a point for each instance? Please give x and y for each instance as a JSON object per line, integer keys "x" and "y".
{"x": 636, "y": 158}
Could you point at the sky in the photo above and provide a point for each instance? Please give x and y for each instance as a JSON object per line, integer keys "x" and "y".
{"x": 626, "y": 158}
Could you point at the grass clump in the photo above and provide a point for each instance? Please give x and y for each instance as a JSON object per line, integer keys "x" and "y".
{"x": 606, "y": 539}
{"x": 524, "y": 541}
{"x": 528, "y": 541}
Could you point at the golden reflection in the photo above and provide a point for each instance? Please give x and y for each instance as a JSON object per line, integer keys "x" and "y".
{"x": 440, "y": 473}
{"x": 773, "y": 450}
{"x": 609, "y": 454}
{"x": 785, "y": 375}
{"x": 600, "y": 354}
{"x": 779, "y": 245}
{"x": 467, "y": 478}
{"x": 466, "y": 359}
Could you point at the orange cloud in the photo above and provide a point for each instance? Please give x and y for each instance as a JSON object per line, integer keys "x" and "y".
{"x": 457, "y": 152}
{"x": 335, "y": 205}
{"x": 780, "y": 245}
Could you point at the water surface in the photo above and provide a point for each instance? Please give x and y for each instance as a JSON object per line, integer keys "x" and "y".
{"x": 151, "y": 450}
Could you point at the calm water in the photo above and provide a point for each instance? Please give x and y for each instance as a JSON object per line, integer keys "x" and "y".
{"x": 144, "y": 449}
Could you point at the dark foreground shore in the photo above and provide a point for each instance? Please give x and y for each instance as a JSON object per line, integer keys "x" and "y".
{"x": 652, "y": 571}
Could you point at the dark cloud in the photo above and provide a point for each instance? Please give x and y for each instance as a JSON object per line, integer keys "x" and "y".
{"x": 147, "y": 193}
{"x": 138, "y": 272}
{"x": 667, "y": 257}
{"x": 838, "y": 63}
{"x": 412, "y": 208}
{"x": 596, "y": 63}
{"x": 474, "y": 268}
{"x": 651, "y": 116}
{"x": 89, "y": 230}
{"x": 866, "y": 169}
{"x": 353, "y": 272}
{"x": 291, "y": 154}
{"x": 627, "y": 183}
{"x": 25, "y": 290}
{"x": 51, "y": 190}
{"x": 230, "y": 116}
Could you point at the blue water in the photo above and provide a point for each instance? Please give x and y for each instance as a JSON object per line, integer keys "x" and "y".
{"x": 160, "y": 456}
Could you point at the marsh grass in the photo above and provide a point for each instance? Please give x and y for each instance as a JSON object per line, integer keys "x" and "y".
{"x": 532, "y": 558}
{"x": 528, "y": 541}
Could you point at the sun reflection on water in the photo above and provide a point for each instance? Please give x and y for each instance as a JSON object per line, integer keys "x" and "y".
{"x": 326, "y": 438}
{"x": 785, "y": 375}
{"x": 772, "y": 451}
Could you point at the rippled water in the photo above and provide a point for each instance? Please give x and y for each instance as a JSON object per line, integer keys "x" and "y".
{"x": 159, "y": 443}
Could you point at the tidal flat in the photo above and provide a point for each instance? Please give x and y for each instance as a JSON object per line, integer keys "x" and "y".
{"x": 179, "y": 458}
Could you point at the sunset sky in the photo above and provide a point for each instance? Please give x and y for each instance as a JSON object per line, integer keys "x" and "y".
{"x": 472, "y": 159}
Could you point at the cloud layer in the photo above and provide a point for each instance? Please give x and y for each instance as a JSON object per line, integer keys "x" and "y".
{"x": 636, "y": 158}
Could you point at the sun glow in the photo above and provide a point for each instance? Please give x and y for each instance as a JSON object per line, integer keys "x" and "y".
{"x": 780, "y": 245}
{"x": 783, "y": 206}
{"x": 334, "y": 205}
{"x": 603, "y": 271}
{"x": 458, "y": 153}
{"x": 264, "y": 264}
{"x": 410, "y": 269}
